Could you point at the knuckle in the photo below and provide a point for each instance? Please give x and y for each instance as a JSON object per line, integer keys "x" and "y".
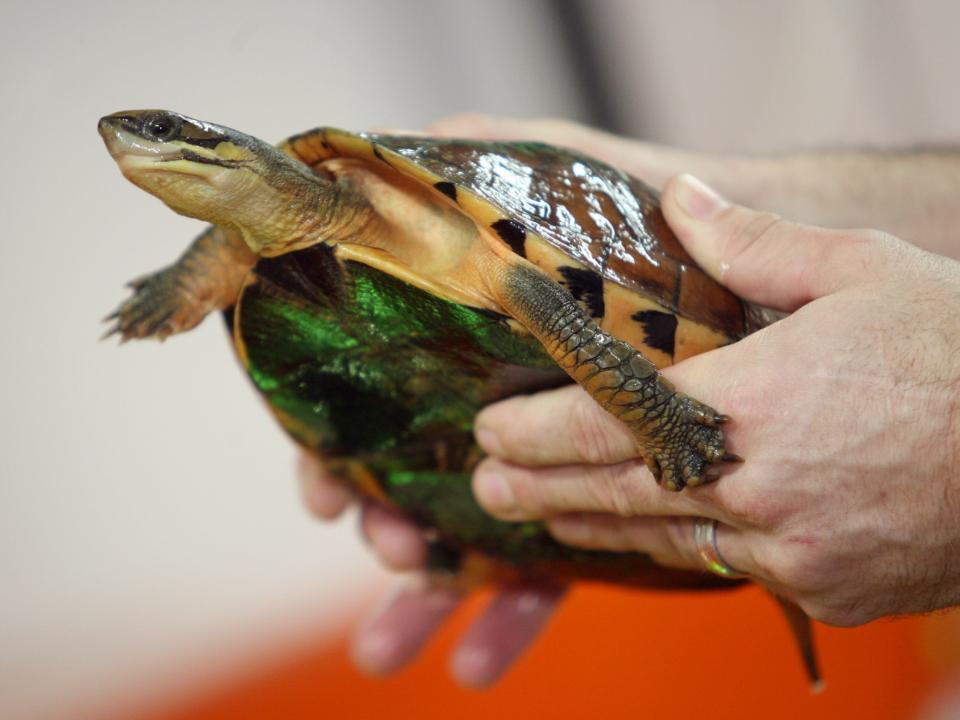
{"x": 621, "y": 538}
{"x": 530, "y": 498}
{"x": 606, "y": 534}
{"x": 745, "y": 505}
{"x": 589, "y": 438}
{"x": 615, "y": 493}
{"x": 501, "y": 430}
{"x": 797, "y": 564}
{"x": 747, "y": 232}
{"x": 871, "y": 252}
{"x": 876, "y": 240}
{"x": 619, "y": 489}
{"x": 678, "y": 533}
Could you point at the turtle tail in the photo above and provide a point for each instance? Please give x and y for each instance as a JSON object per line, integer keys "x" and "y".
{"x": 802, "y": 628}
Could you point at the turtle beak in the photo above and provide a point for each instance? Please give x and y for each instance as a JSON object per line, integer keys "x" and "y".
{"x": 108, "y": 122}
{"x": 122, "y": 134}
{"x": 110, "y": 128}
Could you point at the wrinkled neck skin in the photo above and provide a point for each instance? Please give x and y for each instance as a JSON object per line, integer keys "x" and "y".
{"x": 281, "y": 205}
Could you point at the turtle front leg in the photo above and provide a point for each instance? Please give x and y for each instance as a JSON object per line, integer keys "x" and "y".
{"x": 677, "y": 436}
{"x": 207, "y": 277}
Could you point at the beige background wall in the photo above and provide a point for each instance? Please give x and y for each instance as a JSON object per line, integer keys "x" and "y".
{"x": 150, "y": 531}
{"x": 150, "y": 527}
{"x": 760, "y": 76}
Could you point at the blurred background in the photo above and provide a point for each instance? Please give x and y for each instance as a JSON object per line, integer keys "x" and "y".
{"x": 155, "y": 559}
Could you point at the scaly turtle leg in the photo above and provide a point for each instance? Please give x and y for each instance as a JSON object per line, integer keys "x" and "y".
{"x": 207, "y": 277}
{"x": 677, "y": 436}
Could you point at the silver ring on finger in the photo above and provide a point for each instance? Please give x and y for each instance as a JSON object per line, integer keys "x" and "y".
{"x": 705, "y": 535}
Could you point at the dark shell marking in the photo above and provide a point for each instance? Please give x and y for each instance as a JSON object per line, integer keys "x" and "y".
{"x": 447, "y": 188}
{"x": 660, "y": 329}
{"x": 586, "y": 286}
{"x": 513, "y": 234}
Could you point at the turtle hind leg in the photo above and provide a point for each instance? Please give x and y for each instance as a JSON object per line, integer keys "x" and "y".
{"x": 207, "y": 277}
{"x": 678, "y": 436}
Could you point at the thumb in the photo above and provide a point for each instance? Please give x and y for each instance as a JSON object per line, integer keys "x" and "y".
{"x": 766, "y": 259}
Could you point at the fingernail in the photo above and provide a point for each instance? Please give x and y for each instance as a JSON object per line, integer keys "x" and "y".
{"x": 471, "y": 666}
{"x": 373, "y": 652}
{"x": 489, "y": 441}
{"x": 494, "y": 491}
{"x": 698, "y": 200}
{"x": 568, "y": 528}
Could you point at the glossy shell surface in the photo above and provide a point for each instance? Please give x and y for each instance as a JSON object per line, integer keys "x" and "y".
{"x": 592, "y": 228}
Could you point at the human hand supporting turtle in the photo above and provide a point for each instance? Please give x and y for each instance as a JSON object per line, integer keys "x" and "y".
{"x": 398, "y": 629}
{"x": 844, "y": 188}
{"x": 849, "y": 410}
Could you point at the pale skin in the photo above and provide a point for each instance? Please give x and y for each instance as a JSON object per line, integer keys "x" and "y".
{"x": 848, "y": 411}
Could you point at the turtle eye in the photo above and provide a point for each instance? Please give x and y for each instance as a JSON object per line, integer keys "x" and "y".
{"x": 161, "y": 127}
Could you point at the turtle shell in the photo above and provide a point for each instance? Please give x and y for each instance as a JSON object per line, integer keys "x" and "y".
{"x": 383, "y": 379}
{"x": 592, "y": 228}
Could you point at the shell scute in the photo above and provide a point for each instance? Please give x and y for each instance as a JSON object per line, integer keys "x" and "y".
{"x": 532, "y": 195}
{"x": 593, "y": 213}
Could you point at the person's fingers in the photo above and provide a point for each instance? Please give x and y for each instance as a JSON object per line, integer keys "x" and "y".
{"x": 323, "y": 494}
{"x": 493, "y": 127}
{"x": 397, "y": 542}
{"x": 769, "y": 260}
{"x": 553, "y": 427}
{"x": 668, "y": 541}
{"x": 517, "y": 492}
{"x": 396, "y": 632}
{"x": 400, "y": 132}
{"x": 500, "y": 635}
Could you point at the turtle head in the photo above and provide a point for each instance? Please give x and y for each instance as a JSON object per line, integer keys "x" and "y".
{"x": 210, "y": 172}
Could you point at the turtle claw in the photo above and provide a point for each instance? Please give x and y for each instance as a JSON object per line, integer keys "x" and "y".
{"x": 706, "y": 415}
{"x": 159, "y": 307}
{"x": 681, "y": 448}
{"x": 654, "y": 467}
{"x": 139, "y": 282}
{"x": 158, "y": 324}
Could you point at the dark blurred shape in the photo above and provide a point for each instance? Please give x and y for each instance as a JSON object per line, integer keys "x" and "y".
{"x": 580, "y": 38}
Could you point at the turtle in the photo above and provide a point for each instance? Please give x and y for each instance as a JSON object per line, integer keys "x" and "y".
{"x": 381, "y": 289}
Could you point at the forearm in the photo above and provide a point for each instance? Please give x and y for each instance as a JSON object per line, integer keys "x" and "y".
{"x": 913, "y": 195}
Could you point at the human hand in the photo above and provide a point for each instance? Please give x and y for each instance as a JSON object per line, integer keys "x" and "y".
{"x": 395, "y": 632}
{"x": 847, "y": 412}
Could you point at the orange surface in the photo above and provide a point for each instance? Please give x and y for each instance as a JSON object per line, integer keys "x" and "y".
{"x": 612, "y": 654}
